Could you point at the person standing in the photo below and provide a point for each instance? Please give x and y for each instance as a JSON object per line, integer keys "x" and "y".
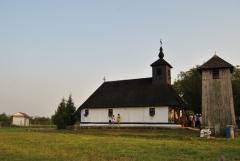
{"x": 190, "y": 118}
{"x": 200, "y": 121}
{"x": 193, "y": 121}
{"x": 118, "y": 118}
{"x": 113, "y": 119}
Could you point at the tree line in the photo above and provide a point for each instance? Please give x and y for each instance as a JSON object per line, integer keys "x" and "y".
{"x": 65, "y": 115}
{"x": 6, "y": 120}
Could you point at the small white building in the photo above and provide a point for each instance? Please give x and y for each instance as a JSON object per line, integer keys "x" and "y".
{"x": 20, "y": 119}
{"x": 137, "y": 102}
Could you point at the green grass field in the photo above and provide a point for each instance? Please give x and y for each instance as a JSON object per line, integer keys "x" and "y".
{"x": 113, "y": 144}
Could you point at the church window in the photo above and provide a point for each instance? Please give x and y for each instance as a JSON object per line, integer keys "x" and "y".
{"x": 159, "y": 71}
{"x": 110, "y": 112}
{"x": 151, "y": 111}
{"x": 215, "y": 74}
{"x": 86, "y": 112}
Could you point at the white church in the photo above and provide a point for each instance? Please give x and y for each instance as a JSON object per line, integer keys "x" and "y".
{"x": 135, "y": 102}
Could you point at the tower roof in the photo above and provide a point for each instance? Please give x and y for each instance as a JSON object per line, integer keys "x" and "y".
{"x": 216, "y": 63}
{"x": 160, "y": 62}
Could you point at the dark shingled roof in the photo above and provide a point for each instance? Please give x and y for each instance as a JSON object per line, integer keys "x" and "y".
{"x": 160, "y": 62}
{"x": 215, "y": 63}
{"x": 133, "y": 93}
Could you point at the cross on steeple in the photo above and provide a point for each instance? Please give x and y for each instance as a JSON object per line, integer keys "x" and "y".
{"x": 104, "y": 79}
{"x": 161, "y": 55}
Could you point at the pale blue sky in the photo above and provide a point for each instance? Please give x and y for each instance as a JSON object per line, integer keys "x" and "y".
{"x": 51, "y": 48}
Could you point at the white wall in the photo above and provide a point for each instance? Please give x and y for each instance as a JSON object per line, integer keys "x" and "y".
{"x": 130, "y": 114}
{"x": 20, "y": 121}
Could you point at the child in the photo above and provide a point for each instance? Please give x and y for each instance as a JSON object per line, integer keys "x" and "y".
{"x": 118, "y": 118}
{"x": 113, "y": 119}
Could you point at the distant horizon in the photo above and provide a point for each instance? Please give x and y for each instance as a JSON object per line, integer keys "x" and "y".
{"x": 50, "y": 49}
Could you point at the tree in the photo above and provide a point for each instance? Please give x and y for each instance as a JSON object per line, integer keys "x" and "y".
{"x": 59, "y": 118}
{"x": 236, "y": 91}
{"x": 188, "y": 86}
{"x": 41, "y": 121}
{"x": 70, "y": 110}
{"x": 65, "y": 114}
{"x": 236, "y": 73}
{"x": 5, "y": 120}
{"x": 78, "y": 115}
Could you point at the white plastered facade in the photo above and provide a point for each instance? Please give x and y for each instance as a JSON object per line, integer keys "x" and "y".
{"x": 127, "y": 115}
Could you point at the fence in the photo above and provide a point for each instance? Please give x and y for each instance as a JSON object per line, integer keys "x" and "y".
{"x": 42, "y": 126}
{"x": 30, "y": 126}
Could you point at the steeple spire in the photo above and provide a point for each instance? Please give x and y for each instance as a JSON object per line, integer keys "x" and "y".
{"x": 161, "y": 55}
{"x": 161, "y": 70}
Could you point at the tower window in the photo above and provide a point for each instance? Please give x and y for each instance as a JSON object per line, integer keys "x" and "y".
{"x": 215, "y": 74}
{"x": 159, "y": 71}
{"x": 151, "y": 111}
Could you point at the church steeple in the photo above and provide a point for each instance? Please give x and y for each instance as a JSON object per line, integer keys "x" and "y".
{"x": 161, "y": 70}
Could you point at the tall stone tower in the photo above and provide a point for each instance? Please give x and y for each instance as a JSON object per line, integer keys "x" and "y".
{"x": 217, "y": 96}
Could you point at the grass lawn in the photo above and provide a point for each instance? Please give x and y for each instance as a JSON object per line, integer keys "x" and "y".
{"x": 113, "y": 144}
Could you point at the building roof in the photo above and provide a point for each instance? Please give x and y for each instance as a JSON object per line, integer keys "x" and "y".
{"x": 21, "y": 114}
{"x": 160, "y": 62}
{"x": 133, "y": 93}
{"x": 216, "y": 63}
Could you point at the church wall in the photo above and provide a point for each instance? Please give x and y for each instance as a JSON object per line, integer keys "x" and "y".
{"x": 128, "y": 115}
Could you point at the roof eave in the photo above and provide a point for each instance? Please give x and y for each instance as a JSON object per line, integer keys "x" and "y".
{"x": 200, "y": 69}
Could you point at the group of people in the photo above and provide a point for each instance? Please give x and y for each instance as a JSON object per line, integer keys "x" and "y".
{"x": 115, "y": 120}
{"x": 195, "y": 120}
